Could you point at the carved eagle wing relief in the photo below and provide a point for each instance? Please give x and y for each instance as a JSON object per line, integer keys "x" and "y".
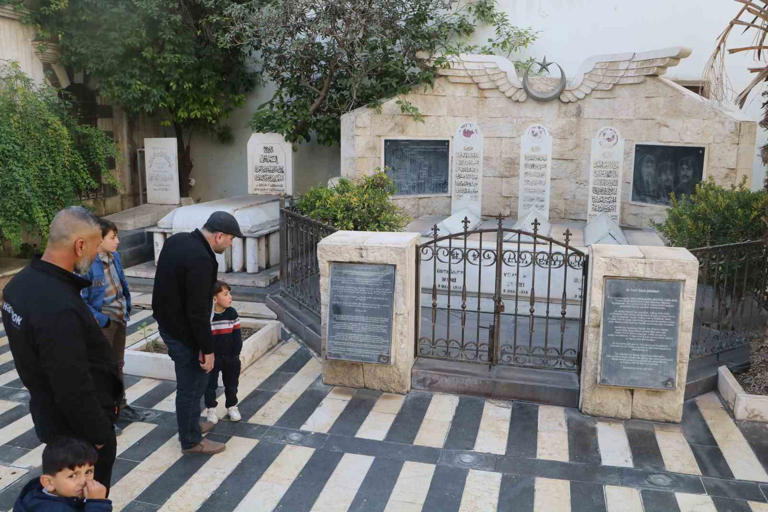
{"x": 487, "y": 71}
{"x": 601, "y": 72}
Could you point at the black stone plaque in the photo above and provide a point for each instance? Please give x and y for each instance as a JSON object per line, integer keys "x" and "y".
{"x": 640, "y": 328}
{"x": 418, "y": 166}
{"x": 663, "y": 170}
{"x": 360, "y": 312}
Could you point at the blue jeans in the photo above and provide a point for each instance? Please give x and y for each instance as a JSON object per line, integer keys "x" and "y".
{"x": 191, "y": 381}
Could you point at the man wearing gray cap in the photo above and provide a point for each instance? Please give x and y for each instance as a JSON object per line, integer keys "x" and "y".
{"x": 181, "y": 303}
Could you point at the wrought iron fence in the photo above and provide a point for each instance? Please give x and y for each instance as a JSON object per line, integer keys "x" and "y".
{"x": 501, "y": 296}
{"x": 299, "y": 273}
{"x": 731, "y": 298}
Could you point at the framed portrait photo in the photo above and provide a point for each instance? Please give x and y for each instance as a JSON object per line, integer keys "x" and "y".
{"x": 661, "y": 170}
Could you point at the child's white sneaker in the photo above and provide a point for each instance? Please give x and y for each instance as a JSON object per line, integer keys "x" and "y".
{"x": 234, "y": 413}
{"x": 210, "y": 415}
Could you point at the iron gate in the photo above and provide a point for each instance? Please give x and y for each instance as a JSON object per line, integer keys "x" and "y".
{"x": 501, "y": 296}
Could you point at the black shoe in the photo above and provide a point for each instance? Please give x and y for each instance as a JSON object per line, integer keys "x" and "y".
{"x": 118, "y": 430}
{"x": 128, "y": 413}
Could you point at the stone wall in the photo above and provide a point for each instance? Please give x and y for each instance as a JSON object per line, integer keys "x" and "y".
{"x": 654, "y": 111}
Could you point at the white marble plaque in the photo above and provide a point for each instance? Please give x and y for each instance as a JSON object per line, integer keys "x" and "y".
{"x": 270, "y": 164}
{"x": 535, "y": 173}
{"x": 605, "y": 174}
{"x": 467, "y": 187}
{"x": 162, "y": 168}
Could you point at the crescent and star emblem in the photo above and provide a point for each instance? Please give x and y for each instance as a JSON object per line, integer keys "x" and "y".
{"x": 548, "y": 96}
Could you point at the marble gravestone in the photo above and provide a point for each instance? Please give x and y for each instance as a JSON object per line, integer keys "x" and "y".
{"x": 270, "y": 164}
{"x": 606, "y": 160}
{"x": 467, "y": 187}
{"x": 162, "y": 168}
{"x": 535, "y": 173}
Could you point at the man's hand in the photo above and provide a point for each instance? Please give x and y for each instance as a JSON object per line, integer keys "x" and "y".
{"x": 94, "y": 490}
{"x": 208, "y": 364}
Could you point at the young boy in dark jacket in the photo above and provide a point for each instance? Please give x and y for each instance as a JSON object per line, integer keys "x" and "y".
{"x": 227, "y": 344}
{"x": 67, "y": 481}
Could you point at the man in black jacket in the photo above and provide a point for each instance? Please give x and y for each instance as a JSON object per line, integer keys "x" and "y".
{"x": 60, "y": 353}
{"x": 182, "y": 303}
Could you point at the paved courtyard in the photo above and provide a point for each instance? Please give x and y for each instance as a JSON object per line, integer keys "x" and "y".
{"x": 305, "y": 446}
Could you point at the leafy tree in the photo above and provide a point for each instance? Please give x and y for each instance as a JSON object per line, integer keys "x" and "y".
{"x": 359, "y": 205}
{"x": 329, "y": 57}
{"x": 47, "y": 159}
{"x": 156, "y": 57}
{"x": 714, "y": 215}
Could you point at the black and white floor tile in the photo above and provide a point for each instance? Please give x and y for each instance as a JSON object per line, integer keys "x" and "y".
{"x": 305, "y": 446}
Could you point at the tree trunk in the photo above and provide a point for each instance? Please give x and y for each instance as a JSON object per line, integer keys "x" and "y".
{"x": 185, "y": 159}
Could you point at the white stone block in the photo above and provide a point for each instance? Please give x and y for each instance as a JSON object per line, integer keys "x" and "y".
{"x": 251, "y": 255}
{"x": 454, "y": 223}
{"x": 604, "y": 230}
{"x": 158, "y": 240}
{"x": 274, "y": 248}
{"x": 261, "y": 243}
{"x": 221, "y": 259}
{"x": 238, "y": 254}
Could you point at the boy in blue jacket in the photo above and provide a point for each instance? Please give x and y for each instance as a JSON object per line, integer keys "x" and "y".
{"x": 67, "y": 481}
{"x": 109, "y": 300}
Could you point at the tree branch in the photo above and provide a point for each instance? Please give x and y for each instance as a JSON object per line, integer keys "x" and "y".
{"x": 324, "y": 91}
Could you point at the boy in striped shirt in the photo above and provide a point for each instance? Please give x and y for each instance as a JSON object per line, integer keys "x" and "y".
{"x": 227, "y": 343}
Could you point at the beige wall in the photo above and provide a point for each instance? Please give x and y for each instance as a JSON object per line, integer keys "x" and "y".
{"x": 16, "y": 44}
{"x": 655, "y": 111}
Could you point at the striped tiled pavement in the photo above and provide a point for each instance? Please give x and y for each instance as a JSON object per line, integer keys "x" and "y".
{"x": 305, "y": 446}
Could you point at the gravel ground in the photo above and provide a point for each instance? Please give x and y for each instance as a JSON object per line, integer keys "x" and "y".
{"x": 755, "y": 380}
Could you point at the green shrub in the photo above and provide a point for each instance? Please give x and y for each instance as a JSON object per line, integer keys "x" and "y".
{"x": 714, "y": 215}
{"x": 360, "y": 205}
{"x": 47, "y": 159}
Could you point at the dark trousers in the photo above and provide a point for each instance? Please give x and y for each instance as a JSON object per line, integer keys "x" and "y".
{"x": 115, "y": 334}
{"x": 230, "y": 374}
{"x": 103, "y": 468}
{"x": 191, "y": 381}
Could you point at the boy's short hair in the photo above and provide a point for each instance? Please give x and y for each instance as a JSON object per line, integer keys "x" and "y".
{"x": 106, "y": 226}
{"x": 67, "y": 452}
{"x": 218, "y": 286}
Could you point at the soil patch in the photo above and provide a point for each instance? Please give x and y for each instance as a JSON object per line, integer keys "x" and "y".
{"x": 755, "y": 380}
{"x": 247, "y": 332}
{"x": 156, "y": 346}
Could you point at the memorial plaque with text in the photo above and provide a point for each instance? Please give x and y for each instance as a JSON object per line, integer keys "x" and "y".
{"x": 640, "y": 333}
{"x": 162, "y": 168}
{"x": 270, "y": 164}
{"x": 467, "y": 169}
{"x": 535, "y": 173}
{"x": 606, "y": 160}
{"x": 360, "y": 312}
